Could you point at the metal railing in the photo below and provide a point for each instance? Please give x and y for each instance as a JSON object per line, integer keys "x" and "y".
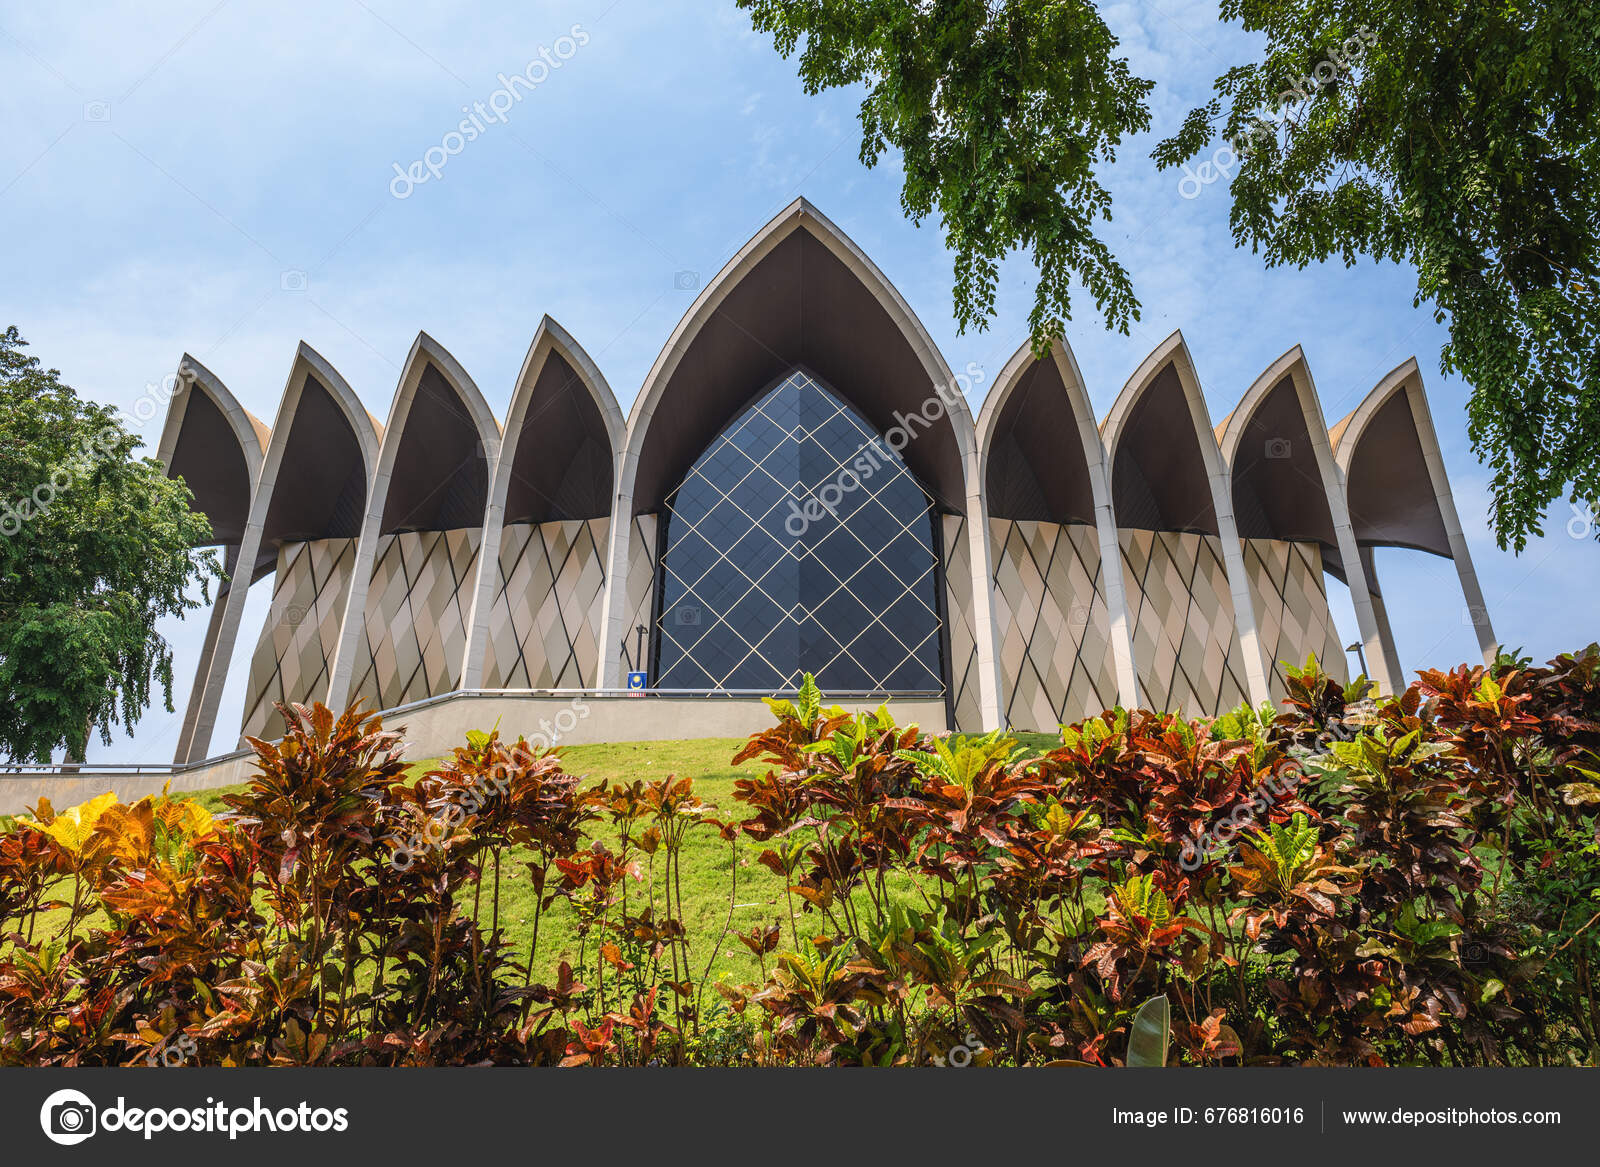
{"x": 68, "y": 769}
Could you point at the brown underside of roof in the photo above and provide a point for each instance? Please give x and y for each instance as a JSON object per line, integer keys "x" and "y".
{"x": 1159, "y": 480}
{"x": 1391, "y": 495}
{"x": 561, "y": 460}
{"x": 440, "y": 476}
{"x": 211, "y": 463}
{"x": 800, "y": 306}
{"x": 1277, "y": 484}
{"x": 321, "y": 490}
{"x": 1036, "y": 465}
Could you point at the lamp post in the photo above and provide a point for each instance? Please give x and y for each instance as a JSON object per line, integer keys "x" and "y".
{"x": 1360, "y": 656}
{"x": 639, "y": 651}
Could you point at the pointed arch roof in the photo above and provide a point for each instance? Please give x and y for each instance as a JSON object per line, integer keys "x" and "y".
{"x": 439, "y": 446}
{"x": 799, "y": 294}
{"x": 1393, "y": 471}
{"x": 1039, "y": 449}
{"x": 215, "y": 446}
{"x": 317, "y": 468}
{"x": 1280, "y": 462}
{"x": 563, "y": 432}
{"x": 1160, "y": 447}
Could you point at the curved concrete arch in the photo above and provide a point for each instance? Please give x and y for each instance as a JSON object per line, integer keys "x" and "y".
{"x": 1287, "y": 452}
{"x": 204, "y": 425}
{"x": 203, "y": 420}
{"x": 1389, "y": 461}
{"x": 557, "y": 374}
{"x": 1162, "y": 404}
{"x": 441, "y": 478}
{"x": 314, "y": 396}
{"x": 801, "y": 293}
{"x": 1068, "y": 501}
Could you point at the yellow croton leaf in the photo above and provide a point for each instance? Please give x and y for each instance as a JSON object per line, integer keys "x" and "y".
{"x": 74, "y": 827}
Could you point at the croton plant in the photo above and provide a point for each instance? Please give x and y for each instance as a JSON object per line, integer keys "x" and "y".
{"x": 1345, "y": 880}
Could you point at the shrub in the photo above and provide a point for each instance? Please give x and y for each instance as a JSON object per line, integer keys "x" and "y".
{"x": 1352, "y": 880}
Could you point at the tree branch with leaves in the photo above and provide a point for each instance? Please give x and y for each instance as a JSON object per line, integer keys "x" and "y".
{"x": 1465, "y": 142}
{"x": 1001, "y": 113}
{"x": 95, "y": 547}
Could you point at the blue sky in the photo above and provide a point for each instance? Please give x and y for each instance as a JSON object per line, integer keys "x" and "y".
{"x": 215, "y": 178}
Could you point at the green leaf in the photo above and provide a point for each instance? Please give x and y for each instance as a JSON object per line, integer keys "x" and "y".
{"x": 1151, "y": 1033}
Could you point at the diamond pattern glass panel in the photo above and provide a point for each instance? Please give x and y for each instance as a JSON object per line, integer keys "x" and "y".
{"x": 799, "y": 542}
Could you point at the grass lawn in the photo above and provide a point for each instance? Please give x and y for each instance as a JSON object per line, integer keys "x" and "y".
{"x": 716, "y": 875}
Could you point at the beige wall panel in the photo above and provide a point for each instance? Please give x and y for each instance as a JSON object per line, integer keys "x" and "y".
{"x": 1051, "y": 623}
{"x": 544, "y": 626}
{"x": 966, "y": 697}
{"x": 310, "y": 586}
{"x": 1291, "y": 606}
{"x": 1185, "y": 642}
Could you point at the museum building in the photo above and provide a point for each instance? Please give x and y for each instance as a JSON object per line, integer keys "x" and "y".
{"x": 801, "y": 486}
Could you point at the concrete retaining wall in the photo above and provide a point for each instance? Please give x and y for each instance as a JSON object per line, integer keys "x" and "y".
{"x": 434, "y": 727}
{"x": 18, "y": 792}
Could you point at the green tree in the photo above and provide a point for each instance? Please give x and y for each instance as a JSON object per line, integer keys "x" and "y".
{"x": 95, "y": 546}
{"x": 1001, "y": 111}
{"x": 1461, "y": 137}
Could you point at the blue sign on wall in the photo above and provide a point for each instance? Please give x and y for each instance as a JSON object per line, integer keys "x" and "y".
{"x": 638, "y": 680}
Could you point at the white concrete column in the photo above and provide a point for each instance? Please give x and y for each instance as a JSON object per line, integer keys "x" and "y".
{"x": 202, "y": 673}
{"x": 1392, "y": 677}
{"x": 1476, "y": 612}
{"x": 613, "y": 630}
{"x": 484, "y": 588}
{"x": 990, "y": 708}
{"x": 1244, "y": 612}
{"x": 227, "y": 633}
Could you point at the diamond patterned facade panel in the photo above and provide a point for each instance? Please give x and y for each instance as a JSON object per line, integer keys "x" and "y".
{"x": 416, "y": 617}
{"x": 544, "y": 628}
{"x": 959, "y": 622}
{"x": 641, "y": 591}
{"x": 1185, "y": 645}
{"x": 1291, "y": 605}
{"x": 302, "y": 630}
{"x": 1052, "y": 627}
